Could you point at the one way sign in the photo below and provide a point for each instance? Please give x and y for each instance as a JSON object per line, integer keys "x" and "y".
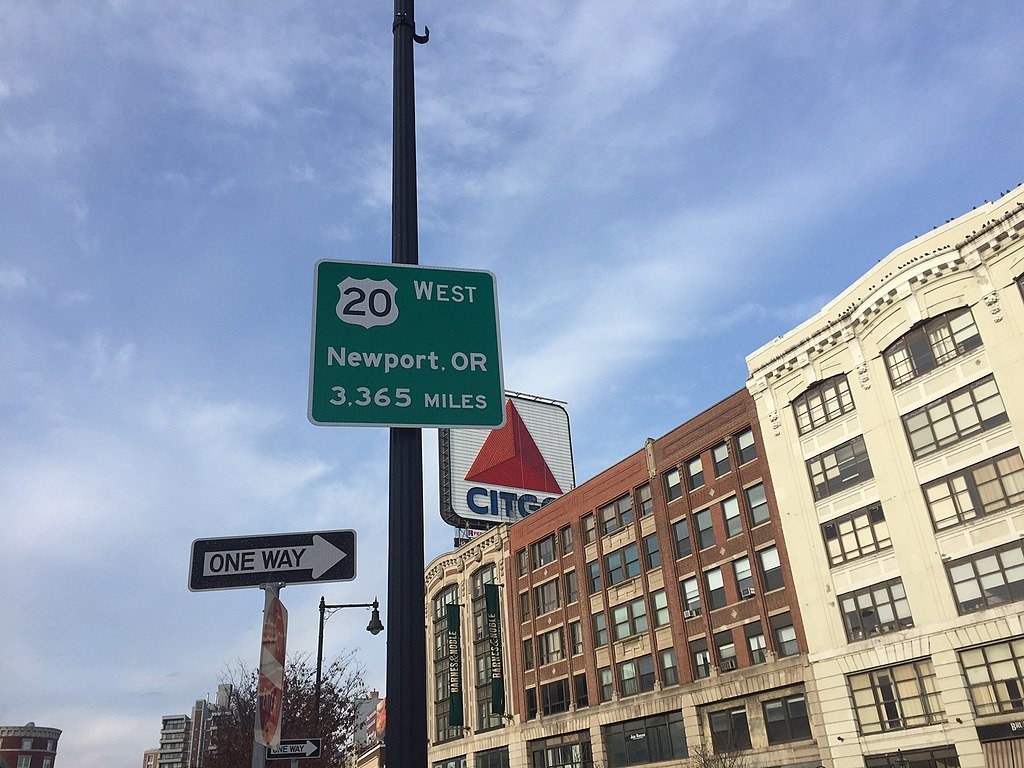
{"x": 292, "y": 749}
{"x": 284, "y": 558}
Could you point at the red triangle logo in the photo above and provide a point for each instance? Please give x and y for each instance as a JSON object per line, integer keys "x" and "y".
{"x": 510, "y": 457}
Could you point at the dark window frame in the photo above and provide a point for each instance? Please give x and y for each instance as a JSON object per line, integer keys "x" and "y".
{"x": 793, "y": 726}
{"x": 731, "y": 737}
{"x": 825, "y": 401}
{"x": 963, "y": 490}
{"x": 891, "y": 688}
{"x": 863, "y": 528}
{"x": 920, "y": 351}
{"x": 861, "y": 610}
{"x": 968, "y": 404}
{"x": 615, "y": 515}
{"x": 839, "y": 468}
{"x": 748, "y": 452}
{"x": 1003, "y": 676}
{"x": 1008, "y": 557}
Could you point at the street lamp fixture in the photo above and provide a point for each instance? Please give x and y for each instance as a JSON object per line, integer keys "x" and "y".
{"x": 375, "y": 627}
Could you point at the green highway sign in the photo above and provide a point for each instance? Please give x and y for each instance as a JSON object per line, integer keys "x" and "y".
{"x": 398, "y": 345}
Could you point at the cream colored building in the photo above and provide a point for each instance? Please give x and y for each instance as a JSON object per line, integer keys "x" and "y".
{"x": 892, "y": 423}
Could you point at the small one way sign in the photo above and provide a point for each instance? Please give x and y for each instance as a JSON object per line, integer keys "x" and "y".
{"x": 295, "y": 749}
{"x": 283, "y": 558}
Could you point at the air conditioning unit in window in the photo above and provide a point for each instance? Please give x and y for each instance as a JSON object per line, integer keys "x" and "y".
{"x": 748, "y": 592}
{"x": 727, "y": 664}
{"x": 692, "y": 613}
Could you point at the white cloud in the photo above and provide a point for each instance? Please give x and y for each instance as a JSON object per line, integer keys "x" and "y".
{"x": 13, "y": 279}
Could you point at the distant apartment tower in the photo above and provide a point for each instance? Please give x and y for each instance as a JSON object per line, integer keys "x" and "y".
{"x": 893, "y": 422}
{"x": 175, "y": 739}
{"x": 151, "y": 758}
{"x": 28, "y": 746}
{"x": 186, "y": 742}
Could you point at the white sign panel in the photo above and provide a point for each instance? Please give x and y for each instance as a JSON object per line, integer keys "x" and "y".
{"x": 506, "y": 474}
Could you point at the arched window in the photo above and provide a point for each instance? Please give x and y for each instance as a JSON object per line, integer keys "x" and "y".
{"x": 822, "y": 402}
{"x": 930, "y": 344}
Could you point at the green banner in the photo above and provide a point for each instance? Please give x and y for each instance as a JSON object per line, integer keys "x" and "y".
{"x": 455, "y": 716}
{"x": 493, "y": 608}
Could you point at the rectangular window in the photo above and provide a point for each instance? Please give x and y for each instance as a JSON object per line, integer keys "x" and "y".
{"x": 673, "y": 485}
{"x": 705, "y": 529}
{"x": 545, "y": 597}
{"x": 983, "y": 489}
{"x": 771, "y": 569}
{"x": 856, "y": 534}
{"x": 579, "y": 690}
{"x": 875, "y": 610}
{"x": 629, "y": 619}
{"x": 622, "y": 565}
{"x": 725, "y": 650}
{"x": 694, "y": 474}
{"x": 571, "y": 750}
{"x": 531, "y": 703}
{"x": 691, "y": 596}
{"x": 543, "y": 552}
{"x": 941, "y": 757}
{"x": 720, "y": 457}
{"x": 616, "y": 515}
{"x": 930, "y": 345}
{"x": 659, "y": 607}
{"x": 786, "y": 720}
{"x": 521, "y": 562}
{"x": 669, "y": 669}
{"x": 989, "y": 578}
{"x": 636, "y": 676}
{"x": 654, "y": 739}
{"x": 822, "y": 403}
{"x": 729, "y": 731}
{"x": 524, "y": 606}
{"x": 715, "y": 587}
{"x": 652, "y": 554}
{"x": 995, "y": 676}
{"x": 604, "y": 675}
{"x": 26, "y": 744}
{"x": 747, "y": 448}
{"x": 644, "y": 502}
{"x": 550, "y": 647}
{"x": 731, "y": 514}
{"x": 594, "y": 582}
{"x": 572, "y": 591}
{"x": 576, "y": 638}
{"x": 843, "y": 466}
{"x": 493, "y": 758}
{"x": 897, "y": 697}
{"x": 589, "y": 529}
{"x": 785, "y": 635}
{"x": 600, "y": 630}
{"x": 744, "y": 577}
{"x": 758, "y": 503}
{"x": 24, "y": 761}
{"x": 681, "y": 532}
{"x": 528, "y": 653}
{"x": 554, "y": 697}
{"x": 968, "y": 411}
{"x": 565, "y": 536}
{"x": 755, "y": 642}
{"x": 700, "y": 658}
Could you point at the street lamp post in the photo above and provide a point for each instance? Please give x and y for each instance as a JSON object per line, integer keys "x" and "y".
{"x": 375, "y": 627}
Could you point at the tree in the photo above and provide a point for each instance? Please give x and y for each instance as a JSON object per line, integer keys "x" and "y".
{"x": 341, "y": 689}
{"x": 703, "y": 757}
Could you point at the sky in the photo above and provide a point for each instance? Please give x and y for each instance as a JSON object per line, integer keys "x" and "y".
{"x": 660, "y": 188}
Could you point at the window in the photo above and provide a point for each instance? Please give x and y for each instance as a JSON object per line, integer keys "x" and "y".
{"x": 747, "y": 448}
{"x": 652, "y": 555}
{"x": 524, "y": 606}
{"x": 669, "y": 670}
{"x": 622, "y": 565}
{"x": 822, "y": 403}
{"x": 731, "y": 514}
{"x": 554, "y": 697}
{"x": 644, "y": 502}
{"x": 771, "y": 569}
{"x": 576, "y": 638}
{"x": 485, "y": 719}
{"x": 691, "y": 596}
{"x": 521, "y": 562}
{"x": 659, "y": 607}
{"x": 755, "y": 642}
{"x": 629, "y": 619}
{"x": 600, "y": 630}
{"x": 758, "y": 503}
{"x": 720, "y": 456}
{"x": 579, "y": 690}
{"x": 572, "y": 591}
{"x": 673, "y": 485}
{"x": 543, "y": 552}
{"x": 569, "y": 751}
{"x": 531, "y": 703}
{"x": 941, "y": 757}
{"x": 47, "y": 762}
{"x": 983, "y": 489}
{"x": 565, "y": 536}
{"x": 839, "y": 468}
{"x": 744, "y": 577}
{"x": 528, "y": 653}
{"x": 681, "y": 531}
{"x": 968, "y": 411}
{"x": 989, "y": 578}
{"x": 715, "y": 587}
{"x": 725, "y": 650}
{"x": 995, "y": 676}
{"x": 636, "y": 676}
{"x": 442, "y": 730}
{"x": 893, "y": 698}
{"x": 931, "y": 344}
{"x": 24, "y": 761}
{"x": 550, "y": 647}
{"x": 455, "y": 762}
{"x": 594, "y": 577}
{"x": 545, "y": 597}
{"x": 785, "y": 635}
{"x": 705, "y": 529}
{"x": 589, "y": 529}
{"x": 604, "y": 674}
{"x": 616, "y": 515}
{"x": 856, "y": 534}
{"x": 694, "y": 474}
{"x": 786, "y": 720}
{"x": 729, "y": 729}
{"x": 26, "y": 744}
{"x": 700, "y": 657}
{"x": 494, "y": 758}
{"x": 645, "y": 740}
{"x": 875, "y": 610}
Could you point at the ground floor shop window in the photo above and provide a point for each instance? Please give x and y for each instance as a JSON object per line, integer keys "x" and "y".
{"x": 645, "y": 740}
{"x": 455, "y": 762}
{"x": 937, "y": 757}
{"x": 729, "y": 729}
{"x": 569, "y": 751}
{"x": 494, "y": 758}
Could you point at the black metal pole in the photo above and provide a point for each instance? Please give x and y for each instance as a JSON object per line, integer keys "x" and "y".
{"x": 406, "y": 736}
{"x": 319, "y": 664}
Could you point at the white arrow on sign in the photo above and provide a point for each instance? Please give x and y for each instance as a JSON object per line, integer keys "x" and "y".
{"x": 319, "y": 558}
{"x": 306, "y": 749}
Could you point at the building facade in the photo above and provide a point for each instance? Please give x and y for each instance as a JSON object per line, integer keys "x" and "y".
{"x": 28, "y": 746}
{"x": 175, "y": 739}
{"x": 893, "y": 421}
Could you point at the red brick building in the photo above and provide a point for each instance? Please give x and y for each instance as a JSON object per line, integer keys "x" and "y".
{"x": 28, "y": 746}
